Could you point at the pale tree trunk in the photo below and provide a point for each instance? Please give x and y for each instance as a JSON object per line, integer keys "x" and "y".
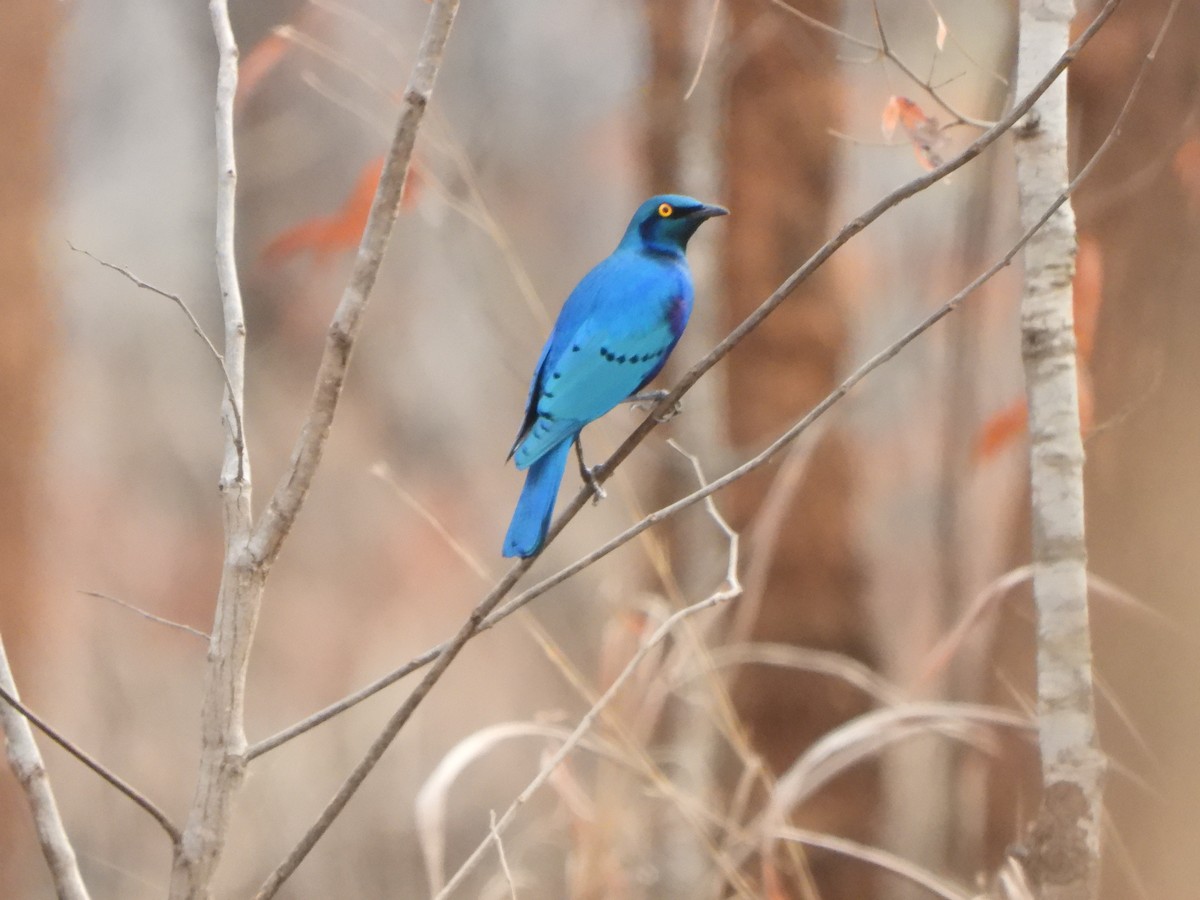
{"x": 1065, "y": 841}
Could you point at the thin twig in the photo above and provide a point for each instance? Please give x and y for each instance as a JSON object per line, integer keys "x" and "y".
{"x": 359, "y": 19}
{"x": 340, "y": 60}
{"x": 26, "y": 762}
{"x": 883, "y": 50}
{"x": 147, "y": 615}
{"x": 705, "y": 49}
{"x": 508, "y": 876}
{"x": 886, "y": 50}
{"x": 8, "y": 695}
{"x": 482, "y": 616}
{"x": 203, "y": 335}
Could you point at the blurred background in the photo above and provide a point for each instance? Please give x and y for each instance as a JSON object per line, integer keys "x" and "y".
{"x": 871, "y": 542}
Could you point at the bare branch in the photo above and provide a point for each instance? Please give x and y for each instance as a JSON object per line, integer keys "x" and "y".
{"x": 26, "y": 763}
{"x": 222, "y": 714}
{"x": 236, "y": 470}
{"x": 883, "y": 50}
{"x": 11, "y": 701}
{"x": 147, "y": 615}
{"x": 886, "y": 51}
{"x": 508, "y": 876}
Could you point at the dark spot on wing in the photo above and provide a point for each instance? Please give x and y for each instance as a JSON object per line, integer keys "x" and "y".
{"x": 677, "y": 316}
{"x": 634, "y": 358}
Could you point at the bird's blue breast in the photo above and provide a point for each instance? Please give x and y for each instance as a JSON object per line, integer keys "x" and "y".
{"x": 612, "y": 336}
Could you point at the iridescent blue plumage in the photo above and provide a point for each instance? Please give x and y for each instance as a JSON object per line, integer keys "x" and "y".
{"x": 612, "y": 337}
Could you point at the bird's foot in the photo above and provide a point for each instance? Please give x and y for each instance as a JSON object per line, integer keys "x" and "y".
{"x": 589, "y": 478}
{"x": 589, "y": 475}
{"x": 648, "y": 399}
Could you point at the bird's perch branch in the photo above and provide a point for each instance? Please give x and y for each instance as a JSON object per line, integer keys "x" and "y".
{"x": 26, "y": 763}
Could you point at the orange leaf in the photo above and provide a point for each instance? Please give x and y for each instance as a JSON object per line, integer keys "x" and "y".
{"x": 257, "y": 64}
{"x": 310, "y": 234}
{"x": 1186, "y": 165}
{"x": 922, "y": 130}
{"x": 1087, "y": 403}
{"x": 1000, "y": 430}
{"x": 1087, "y": 295}
{"x": 325, "y": 235}
{"x": 1006, "y": 426}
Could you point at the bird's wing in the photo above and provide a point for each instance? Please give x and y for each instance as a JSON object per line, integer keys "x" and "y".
{"x": 613, "y": 335}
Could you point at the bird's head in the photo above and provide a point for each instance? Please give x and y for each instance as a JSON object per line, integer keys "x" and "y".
{"x": 663, "y": 224}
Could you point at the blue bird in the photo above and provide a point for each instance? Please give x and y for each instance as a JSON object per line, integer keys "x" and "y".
{"x": 611, "y": 338}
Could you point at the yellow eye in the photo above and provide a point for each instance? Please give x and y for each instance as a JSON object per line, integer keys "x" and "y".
{"x": 665, "y": 210}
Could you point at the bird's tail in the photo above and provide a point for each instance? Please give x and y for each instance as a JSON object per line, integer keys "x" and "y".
{"x": 531, "y": 518}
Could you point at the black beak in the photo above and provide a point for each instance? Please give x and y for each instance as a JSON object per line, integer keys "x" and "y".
{"x": 707, "y": 211}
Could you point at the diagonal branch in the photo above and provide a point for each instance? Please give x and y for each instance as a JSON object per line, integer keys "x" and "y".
{"x": 13, "y": 727}
{"x": 26, "y": 763}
